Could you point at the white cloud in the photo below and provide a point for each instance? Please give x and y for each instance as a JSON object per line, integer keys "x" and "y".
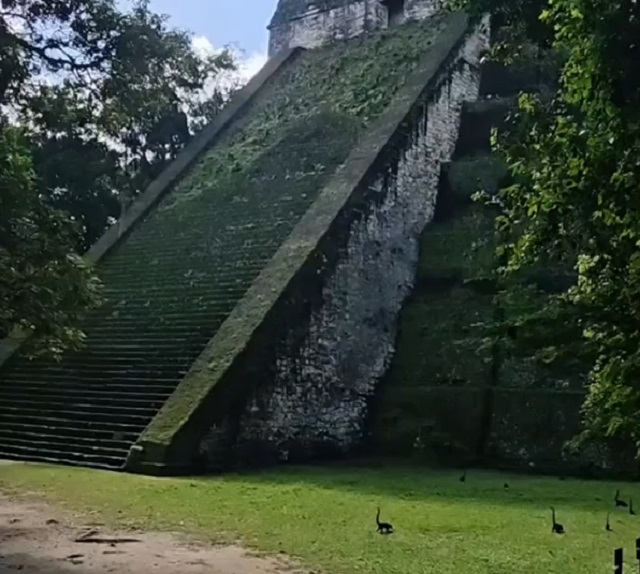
{"x": 203, "y": 46}
{"x": 15, "y": 25}
{"x": 248, "y": 65}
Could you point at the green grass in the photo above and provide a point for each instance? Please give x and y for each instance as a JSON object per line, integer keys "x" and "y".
{"x": 325, "y": 516}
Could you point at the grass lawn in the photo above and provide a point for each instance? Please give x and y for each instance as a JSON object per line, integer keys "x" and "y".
{"x": 325, "y": 516}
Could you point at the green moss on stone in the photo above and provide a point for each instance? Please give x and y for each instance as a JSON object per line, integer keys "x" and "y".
{"x": 440, "y": 340}
{"x": 484, "y": 173}
{"x": 418, "y": 421}
{"x": 365, "y": 76}
{"x": 521, "y": 364}
{"x": 463, "y": 247}
{"x": 534, "y": 424}
{"x": 198, "y": 252}
{"x": 434, "y": 389}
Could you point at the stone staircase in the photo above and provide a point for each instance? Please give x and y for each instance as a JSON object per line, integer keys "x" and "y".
{"x": 187, "y": 262}
{"x": 164, "y": 305}
{"x": 90, "y": 409}
{"x": 169, "y": 287}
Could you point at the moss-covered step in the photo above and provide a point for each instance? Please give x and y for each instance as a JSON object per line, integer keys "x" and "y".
{"x": 503, "y": 80}
{"x": 431, "y": 400}
{"x": 530, "y": 427}
{"x": 426, "y": 422}
{"x": 440, "y": 340}
{"x": 526, "y": 357}
{"x": 461, "y": 179}
{"x": 485, "y": 173}
{"x": 462, "y": 248}
{"x": 477, "y": 121}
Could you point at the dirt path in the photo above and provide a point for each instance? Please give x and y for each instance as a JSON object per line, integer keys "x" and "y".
{"x": 36, "y": 538}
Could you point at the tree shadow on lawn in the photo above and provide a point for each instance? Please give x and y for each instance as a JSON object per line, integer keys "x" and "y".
{"x": 422, "y": 484}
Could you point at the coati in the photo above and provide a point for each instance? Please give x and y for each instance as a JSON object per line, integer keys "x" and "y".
{"x": 556, "y": 527}
{"x": 383, "y": 527}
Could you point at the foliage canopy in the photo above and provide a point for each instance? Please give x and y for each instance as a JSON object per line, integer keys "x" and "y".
{"x": 94, "y": 102}
{"x": 575, "y": 158}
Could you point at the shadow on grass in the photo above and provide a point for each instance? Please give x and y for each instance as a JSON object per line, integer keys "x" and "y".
{"x": 382, "y": 479}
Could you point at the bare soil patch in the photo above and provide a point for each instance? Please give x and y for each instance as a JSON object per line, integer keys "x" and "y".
{"x": 36, "y": 538}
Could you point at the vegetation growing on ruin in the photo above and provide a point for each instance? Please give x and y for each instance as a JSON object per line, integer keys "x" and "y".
{"x": 357, "y": 78}
{"x": 443, "y": 358}
{"x": 246, "y": 194}
{"x": 576, "y": 198}
{"x": 325, "y": 517}
{"x": 465, "y": 342}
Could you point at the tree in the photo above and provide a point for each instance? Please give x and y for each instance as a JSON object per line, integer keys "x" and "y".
{"x": 104, "y": 100}
{"x": 124, "y": 83}
{"x": 44, "y": 286}
{"x": 576, "y": 200}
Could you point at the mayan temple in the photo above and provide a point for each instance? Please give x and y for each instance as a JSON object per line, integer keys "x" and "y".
{"x": 303, "y": 281}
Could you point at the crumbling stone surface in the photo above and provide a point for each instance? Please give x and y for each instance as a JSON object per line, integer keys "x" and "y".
{"x": 310, "y": 24}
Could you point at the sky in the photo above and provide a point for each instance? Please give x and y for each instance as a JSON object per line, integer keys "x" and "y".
{"x": 218, "y": 23}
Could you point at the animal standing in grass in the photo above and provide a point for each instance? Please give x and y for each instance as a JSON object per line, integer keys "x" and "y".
{"x": 618, "y": 500}
{"x": 556, "y": 527}
{"x": 607, "y": 526}
{"x": 631, "y": 510}
{"x": 383, "y": 527}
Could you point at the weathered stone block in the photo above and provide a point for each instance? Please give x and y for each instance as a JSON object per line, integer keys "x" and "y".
{"x": 530, "y": 428}
{"x": 311, "y": 24}
{"x": 482, "y": 173}
{"x": 462, "y": 248}
{"x": 429, "y": 421}
{"x": 440, "y": 340}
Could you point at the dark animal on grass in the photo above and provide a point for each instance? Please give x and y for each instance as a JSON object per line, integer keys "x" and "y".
{"x": 631, "y": 510}
{"x": 618, "y": 500}
{"x": 607, "y": 526}
{"x": 506, "y": 485}
{"x": 463, "y": 477}
{"x": 383, "y": 527}
{"x": 556, "y": 527}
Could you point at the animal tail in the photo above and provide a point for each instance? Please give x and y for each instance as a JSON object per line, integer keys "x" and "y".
{"x": 378, "y": 517}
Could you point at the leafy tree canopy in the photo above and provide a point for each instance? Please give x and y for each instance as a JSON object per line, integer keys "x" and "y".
{"x": 94, "y": 102}
{"x": 44, "y": 285}
{"x": 576, "y": 162}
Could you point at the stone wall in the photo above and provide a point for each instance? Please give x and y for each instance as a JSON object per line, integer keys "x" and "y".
{"x": 316, "y": 401}
{"x": 454, "y": 393}
{"x": 317, "y": 23}
{"x": 418, "y": 9}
